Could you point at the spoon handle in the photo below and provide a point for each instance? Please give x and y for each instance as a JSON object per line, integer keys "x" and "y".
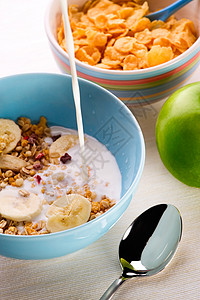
{"x": 112, "y": 288}
{"x": 166, "y": 12}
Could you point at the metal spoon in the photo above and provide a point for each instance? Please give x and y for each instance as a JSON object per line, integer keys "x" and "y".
{"x": 166, "y": 12}
{"x": 148, "y": 244}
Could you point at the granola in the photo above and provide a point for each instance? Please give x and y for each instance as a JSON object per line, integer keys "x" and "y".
{"x": 32, "y": 164}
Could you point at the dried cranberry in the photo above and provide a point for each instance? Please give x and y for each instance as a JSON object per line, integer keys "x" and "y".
{"x": 39, "y": 156}
{"x": 55, "y": 137}
{"x": 31, "y": 141}
{"x": 33, "y": 138}
{"x": 37, "y": 166}
{"x": 65, "y": 158}
{"x": 26, "y": 137}
{"x": 38, "y": 178}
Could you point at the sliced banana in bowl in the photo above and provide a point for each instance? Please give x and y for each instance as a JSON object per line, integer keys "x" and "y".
{"x": 67, "y": 212}
{"x": 63, "y": 144}
{"x": 16, "y": 207}
{"x": 10, "y": 134}
{"x": 10, "y": 162}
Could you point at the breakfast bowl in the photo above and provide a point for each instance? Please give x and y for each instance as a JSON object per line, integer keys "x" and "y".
{"x": 105, "y": 118}
{"x": 139, "y": 86}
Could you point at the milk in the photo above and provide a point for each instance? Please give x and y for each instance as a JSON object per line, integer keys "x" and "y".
{"x": 104, "y": 174}
{"x": 75, "y": 86}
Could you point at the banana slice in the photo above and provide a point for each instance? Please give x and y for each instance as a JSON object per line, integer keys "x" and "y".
{"x": 10, "y": 134}
{"x": 68, "y": 212}
{"x": 19, "y": 208}
{"x": 63, "y": 144}
{"x": 10, "y": 162}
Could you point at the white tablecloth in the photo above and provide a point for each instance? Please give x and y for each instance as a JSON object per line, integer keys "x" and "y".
{"x": 87, "y": 273}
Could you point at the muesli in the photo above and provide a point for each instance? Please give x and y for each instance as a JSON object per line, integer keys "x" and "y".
{"x": 42, "y": 189}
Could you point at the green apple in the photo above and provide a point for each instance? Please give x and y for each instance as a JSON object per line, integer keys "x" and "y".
{"x": 178, "y": 134}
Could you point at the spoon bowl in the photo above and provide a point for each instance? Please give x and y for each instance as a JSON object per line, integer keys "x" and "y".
{"x": 148, "y": 244}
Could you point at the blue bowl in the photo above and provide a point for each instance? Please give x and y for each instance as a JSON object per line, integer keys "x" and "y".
{"x": 106, "y": 118}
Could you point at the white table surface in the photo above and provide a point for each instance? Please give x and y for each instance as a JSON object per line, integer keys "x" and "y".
{"x": 87, "y": 273}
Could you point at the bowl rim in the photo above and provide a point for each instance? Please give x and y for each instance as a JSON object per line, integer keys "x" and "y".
{"x": 128, "y": 193}
{"x": 83, "y": 65}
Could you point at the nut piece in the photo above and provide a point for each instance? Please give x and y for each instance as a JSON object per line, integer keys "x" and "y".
{"x": 9, "y": 173}
{"x": 3, "y": 184}
{"x": 25, "y": 171}
{"x": 11, "y": 230}
{"x": 24, "y": 193}
{"x": 95, "y": 207}
{"x": 19, "y": 182}
{"x": 104, "y": 204}
{"x": 3, "y": 223}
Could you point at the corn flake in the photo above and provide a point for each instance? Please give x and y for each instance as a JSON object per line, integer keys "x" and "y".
{"x": 160, "y": 32}
{"x": 97, "y": 39}
{"x": 125, "y": 12}
{"x": 110, "y": 62}
{"x": 140, "y": 25}
{"x": 141, "y": 58}
{"x": 113, "y": 54}
{"x": 124, "y": 44}
{"x": 159, "y": 55}
{"x": 137, "y": 46}
{"x": 144, "y": 37}
{"x": 130, "y": 62}
{"x": 104, "y": 66}
{"x": 101, "y": 21}
{"x": 138, "y": 13}
{"x": 162, "y": 41}
{"x": 88, "y": 54}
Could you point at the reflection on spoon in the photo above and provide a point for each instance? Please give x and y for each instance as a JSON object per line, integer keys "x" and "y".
{"x": 75, "y": 86}
{"x": 148, "y": 244}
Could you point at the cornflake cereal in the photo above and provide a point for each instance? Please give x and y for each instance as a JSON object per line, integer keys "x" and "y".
{"x": 41, "y": 186}
{"x": 116, "y": 35}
